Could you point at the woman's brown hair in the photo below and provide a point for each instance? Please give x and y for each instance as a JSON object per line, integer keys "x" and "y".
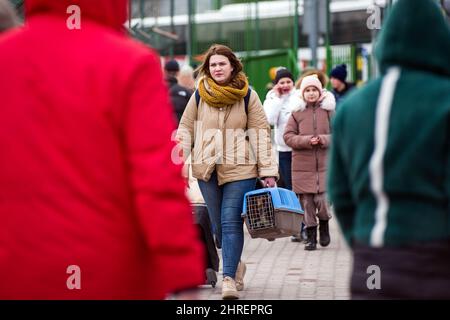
{"x": 224, "y": 51}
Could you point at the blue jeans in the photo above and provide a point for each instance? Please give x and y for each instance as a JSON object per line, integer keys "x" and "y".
{"x": 225, "y": 207}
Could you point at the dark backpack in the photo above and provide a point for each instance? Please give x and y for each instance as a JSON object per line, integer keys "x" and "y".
{"x": 246, "y": 99}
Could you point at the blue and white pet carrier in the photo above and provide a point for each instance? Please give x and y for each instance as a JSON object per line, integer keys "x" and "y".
{"x": 272, "y": 213}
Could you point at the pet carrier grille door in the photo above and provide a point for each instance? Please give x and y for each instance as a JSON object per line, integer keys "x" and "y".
{"x": 260, "y": 211}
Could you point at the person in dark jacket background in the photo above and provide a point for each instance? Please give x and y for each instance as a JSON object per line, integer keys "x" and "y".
{"x": 180, "y": 95}
{"x": 389, "y": 178}
{"x": 91, "y": 204}
{"x": 171, "y": 70}
{"x": 338, "y": 79}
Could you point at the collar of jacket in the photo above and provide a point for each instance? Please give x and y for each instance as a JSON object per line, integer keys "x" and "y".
{"x": 327, "y": 102}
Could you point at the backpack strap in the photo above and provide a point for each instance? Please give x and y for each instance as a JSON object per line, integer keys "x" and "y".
{"x": 246, "y": 99}
{"x": 197, "y": 97}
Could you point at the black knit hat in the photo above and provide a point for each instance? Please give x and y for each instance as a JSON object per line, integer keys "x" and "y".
{"x": 339, "y": 72}
{"x": 283, "y": 73}
{"x": 172, "y": 65}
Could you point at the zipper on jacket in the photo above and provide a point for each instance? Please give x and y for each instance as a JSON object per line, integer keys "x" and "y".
{"x": 315, "y": 147}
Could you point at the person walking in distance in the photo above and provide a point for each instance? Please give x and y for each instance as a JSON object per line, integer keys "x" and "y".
{"x": 338, "y": 79}
{"x": 278, "y": 106}
{"x": 308, "y": 133}
{"x": 181, "y": 92}
{"x": 226, "y": 163}
{"x": 186, "y": 77}
{"x": 171, "y": 71}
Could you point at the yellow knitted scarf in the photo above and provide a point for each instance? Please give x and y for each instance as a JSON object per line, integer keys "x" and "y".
{"x": 218, "y": 96}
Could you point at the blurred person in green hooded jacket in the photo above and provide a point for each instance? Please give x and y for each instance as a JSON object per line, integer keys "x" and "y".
{"x": 389, "y": 177}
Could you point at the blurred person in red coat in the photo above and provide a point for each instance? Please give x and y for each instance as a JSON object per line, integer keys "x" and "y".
{"x": 91, "y": 204}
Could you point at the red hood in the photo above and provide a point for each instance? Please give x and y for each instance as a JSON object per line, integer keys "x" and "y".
{"x": 108, "y": 12}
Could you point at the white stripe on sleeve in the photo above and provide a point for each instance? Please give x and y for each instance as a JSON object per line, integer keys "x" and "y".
{"x": 376, "y": 168}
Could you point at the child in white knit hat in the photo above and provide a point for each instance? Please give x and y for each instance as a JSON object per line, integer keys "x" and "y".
{"x": 308, "y": 133}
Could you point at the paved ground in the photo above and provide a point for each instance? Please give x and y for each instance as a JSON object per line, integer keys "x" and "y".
{"x": 284, "y": 270}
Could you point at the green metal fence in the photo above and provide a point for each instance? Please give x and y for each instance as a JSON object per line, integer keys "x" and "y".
{"x": 257, "y": 66}
{"x": 249, "y": 31}
{"x": 345, "y": 55}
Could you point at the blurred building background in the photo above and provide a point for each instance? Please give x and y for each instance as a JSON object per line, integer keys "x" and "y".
{"x": 293, "y": 33}
{"x": 266, "y": 34}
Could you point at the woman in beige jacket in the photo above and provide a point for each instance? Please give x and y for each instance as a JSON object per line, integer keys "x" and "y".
{"x": 229, "y": 142}
{"x": 308, "y": 133}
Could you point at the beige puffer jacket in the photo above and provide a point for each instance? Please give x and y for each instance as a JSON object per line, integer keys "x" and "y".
{"x": 216, "y": 140}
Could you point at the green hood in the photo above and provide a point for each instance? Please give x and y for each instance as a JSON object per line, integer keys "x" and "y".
{"x": 415, "y": 35}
